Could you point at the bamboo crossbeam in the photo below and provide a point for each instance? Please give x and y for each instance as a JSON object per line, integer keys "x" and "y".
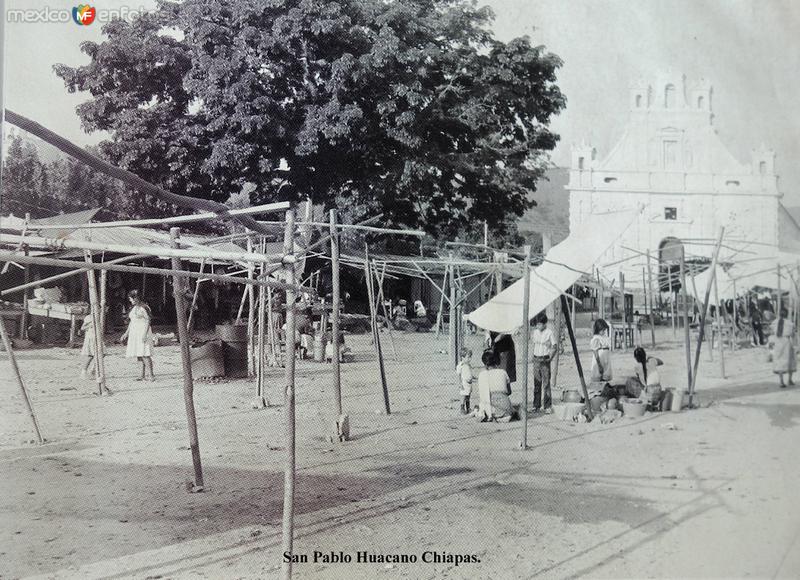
{"x": 404, "y": 232}
{"x": 43, "y": 281}
{"x": 181, "y": 219}
{"x": 82, "y": 267}
{"x": 156, "y": 251}
{"x": 84, "y": 156}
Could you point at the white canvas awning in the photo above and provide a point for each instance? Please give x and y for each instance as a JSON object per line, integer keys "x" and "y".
{"x": 563, "y": 265}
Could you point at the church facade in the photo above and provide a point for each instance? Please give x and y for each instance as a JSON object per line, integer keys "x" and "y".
{"x": 671, "y": 162}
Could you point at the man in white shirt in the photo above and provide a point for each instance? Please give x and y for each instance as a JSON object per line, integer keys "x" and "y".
{"x": 544, "y": 347}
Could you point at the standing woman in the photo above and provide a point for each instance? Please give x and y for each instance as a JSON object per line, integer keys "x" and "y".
{"x": 784, "y": 359}
{"x": 503, "y": 347}
{"x": 140, "y": 335}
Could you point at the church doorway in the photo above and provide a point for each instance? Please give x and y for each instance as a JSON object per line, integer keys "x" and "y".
{"x": 669, "y": 264}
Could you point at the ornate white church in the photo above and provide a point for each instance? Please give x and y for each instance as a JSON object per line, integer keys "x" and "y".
{"x": 671, "y": 160}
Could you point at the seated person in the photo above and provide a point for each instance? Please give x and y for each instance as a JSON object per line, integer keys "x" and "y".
{"x": 494, "y": 387}
{"x": 419, "y": 309}
{"x": 645, "y": 384}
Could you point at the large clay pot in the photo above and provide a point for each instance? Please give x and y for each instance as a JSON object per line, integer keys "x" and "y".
{"x": 571, "y": 396}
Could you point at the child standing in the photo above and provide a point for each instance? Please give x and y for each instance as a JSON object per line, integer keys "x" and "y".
{"x": 89, "y": 347}
{"x": 600, "y": 344}
{"x": 464, "y": 372}
{"x": 544, "y": 347}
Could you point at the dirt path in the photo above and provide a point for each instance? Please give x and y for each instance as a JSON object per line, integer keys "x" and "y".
{"x": 695, "y": 494}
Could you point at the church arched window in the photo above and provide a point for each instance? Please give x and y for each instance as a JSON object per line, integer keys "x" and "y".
{"x": 762, "y": 167}
{"x": 669, "y": 96}
{"x": 701, "y": 101}
{"x": 638, "y": 101}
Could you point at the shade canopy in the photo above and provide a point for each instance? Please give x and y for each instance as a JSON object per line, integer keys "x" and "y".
{"x": 563, "y": 265}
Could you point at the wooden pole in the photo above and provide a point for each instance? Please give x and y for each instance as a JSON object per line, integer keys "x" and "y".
{"x": 13, "y": 360}
{"x": 251, "y": 316}
{"x": 179, "y": 289}
{"x": 43, "y": 281}
{"x": 557, "y": 329}
{"x": 650, "y": 288}
{"x": 673, "y": 298}
{"x": 719, "y": 327}
{"x": 526, "y": 333}
{"x": 382, "y": 302}
{"x": 625, "y": 326}
{"x": 94, "y": 301}
{"x": 572, "y": 311}
{"x": 735, "y": 317}
{"x": 454, "y": 356}
{"x": 704, "y": 313}
{"x": 439, "y": 315}
{"x": 23, "y": 327}
{"x": 289, "y": 400}
{"x": 335, "y": 316}
{"x": 261, "y": 346}
{"x": 498, "y": 275}
{"x": 780, "y": 293}
{"x": 194, "y": 297}
{"x": 686, "y": 331}
{"x": 578, "y": 365}
{"x": 103, "y": 300}
{"x": 376, "y": 335}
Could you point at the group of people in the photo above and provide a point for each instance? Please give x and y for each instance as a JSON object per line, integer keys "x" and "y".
{"x": 499, "y": 360}
{"x": 139, "y": 337}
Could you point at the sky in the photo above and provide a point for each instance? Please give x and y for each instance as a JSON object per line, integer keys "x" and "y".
{"x": 748, "y": 49}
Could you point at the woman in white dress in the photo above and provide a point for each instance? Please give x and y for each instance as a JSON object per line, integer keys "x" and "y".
{"x": 139, "y": 335}
{"x": 784, "y": 359}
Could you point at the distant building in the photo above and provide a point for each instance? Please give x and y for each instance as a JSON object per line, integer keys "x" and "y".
{"x": 671, "y": 159}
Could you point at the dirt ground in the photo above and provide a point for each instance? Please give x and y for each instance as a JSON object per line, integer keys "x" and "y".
{"x": 710, "y": 492}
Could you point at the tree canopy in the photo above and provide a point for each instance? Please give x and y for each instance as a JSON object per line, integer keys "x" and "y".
{"x": 409, "y": 107}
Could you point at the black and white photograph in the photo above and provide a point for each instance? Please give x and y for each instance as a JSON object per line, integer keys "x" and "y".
{"x": 399, "y": 289}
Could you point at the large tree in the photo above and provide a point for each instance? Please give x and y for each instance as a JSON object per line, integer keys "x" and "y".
{"x": 409, "y": 107}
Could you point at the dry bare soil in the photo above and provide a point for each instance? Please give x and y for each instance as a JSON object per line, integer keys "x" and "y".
{"x": 710, "y": 492}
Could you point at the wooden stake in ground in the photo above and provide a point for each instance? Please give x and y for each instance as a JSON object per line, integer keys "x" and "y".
{"x": 13, "y": 360}
{"x": 376, "y": 335}
{"x": 673, "y": 297}
{"x": 179, "y": 290}
{"x": 526, "y": 334}
{"x": 382, "y": 302}
{"x": 251, "y": 316}
{"x": 94, "y": 302}
{"x": 686, "y": 331}
{"x": 439, "y": 314}
{"x": 337, "y": 304}
{"x": 196, "y": 293}
{"x": 261, "y": 348}
{"x": 719, "y": 328}
{"x": 103, "y": 293}
{"x": 289, "y": 472}
{"x": 578, "y": 365}
{"x": 704, "y": 313}
{"x": 451, "y": 327}
{"x": 650, "y": 287}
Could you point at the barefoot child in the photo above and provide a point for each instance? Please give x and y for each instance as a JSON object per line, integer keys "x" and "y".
{"x": 544, "y": 347}
{"x": 88, "y": 350}
{"x": 140, "y": 335}
{"x": 464, "y": 372}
